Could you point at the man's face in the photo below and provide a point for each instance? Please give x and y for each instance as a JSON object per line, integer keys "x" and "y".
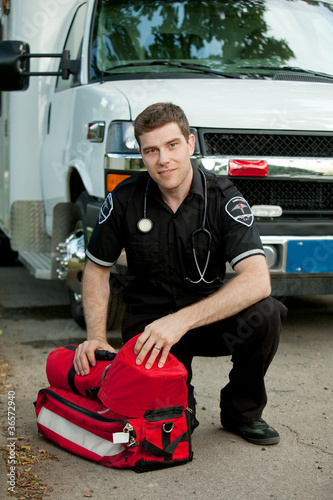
{"x": 166, "y": 154}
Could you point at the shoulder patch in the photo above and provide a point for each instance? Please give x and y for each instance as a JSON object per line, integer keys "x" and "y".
{"x": 239, "y": 210}
{"x": 106, "y": 209}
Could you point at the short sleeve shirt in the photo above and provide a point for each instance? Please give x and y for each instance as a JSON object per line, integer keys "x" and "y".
{"x": 166, "y": 264}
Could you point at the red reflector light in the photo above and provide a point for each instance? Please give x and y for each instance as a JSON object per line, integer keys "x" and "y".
{"x": 252, "y": 168}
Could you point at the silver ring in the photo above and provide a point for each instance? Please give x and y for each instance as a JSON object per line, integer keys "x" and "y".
{"x": 156, "y": 347}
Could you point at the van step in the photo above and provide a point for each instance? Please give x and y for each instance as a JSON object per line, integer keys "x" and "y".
{"x": 38, "y": 263}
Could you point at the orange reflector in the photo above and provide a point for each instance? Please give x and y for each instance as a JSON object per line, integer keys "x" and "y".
{"x": 253, "y": 168}
{"x": 113, "y": 179}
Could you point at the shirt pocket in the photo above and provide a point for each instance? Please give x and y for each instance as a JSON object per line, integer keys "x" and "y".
{"x": 143, "y": 257}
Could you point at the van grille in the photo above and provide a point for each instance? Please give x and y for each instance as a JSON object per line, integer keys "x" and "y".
{"x": 261, "y": 144}
{"x": 289, "y": 194}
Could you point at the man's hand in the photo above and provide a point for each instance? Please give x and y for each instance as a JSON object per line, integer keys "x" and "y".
{"x": 85, "y": 354}
{"x": 158, "y": 337}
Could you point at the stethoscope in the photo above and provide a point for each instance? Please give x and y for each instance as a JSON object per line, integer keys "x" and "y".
{"x": 145, "y": 225}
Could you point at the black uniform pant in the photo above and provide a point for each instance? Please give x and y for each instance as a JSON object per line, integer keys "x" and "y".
{"x": 251, "y": 338}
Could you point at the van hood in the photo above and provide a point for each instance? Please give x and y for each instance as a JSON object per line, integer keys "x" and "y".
{"x": 240, "y": 104}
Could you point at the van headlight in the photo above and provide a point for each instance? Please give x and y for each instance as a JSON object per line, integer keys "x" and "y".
{"x": 120, "y": 138}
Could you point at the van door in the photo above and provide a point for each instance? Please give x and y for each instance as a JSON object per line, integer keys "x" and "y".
{"x": 57, "y": 146}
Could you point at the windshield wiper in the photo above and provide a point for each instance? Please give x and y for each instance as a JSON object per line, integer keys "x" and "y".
{"x": 293, "y": 69}
{"x": 179, "y": 64}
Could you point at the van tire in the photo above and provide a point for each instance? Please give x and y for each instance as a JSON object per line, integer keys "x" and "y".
{"x": 8, "y": 256}
{"x": 116, "y": 304}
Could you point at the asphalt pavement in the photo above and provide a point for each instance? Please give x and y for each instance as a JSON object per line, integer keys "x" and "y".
{"x": 35, "y": 319}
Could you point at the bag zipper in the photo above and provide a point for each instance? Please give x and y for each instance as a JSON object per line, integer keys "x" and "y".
{"x": 80, "y": 409}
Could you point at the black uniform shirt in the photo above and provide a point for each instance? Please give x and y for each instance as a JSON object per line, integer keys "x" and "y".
{"x": 160, "y": 261}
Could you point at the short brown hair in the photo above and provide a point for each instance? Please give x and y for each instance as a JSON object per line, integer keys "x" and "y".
{"x": 159, "y": 114}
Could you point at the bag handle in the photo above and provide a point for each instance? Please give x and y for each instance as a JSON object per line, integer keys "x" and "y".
{"x": 166, "y": 452}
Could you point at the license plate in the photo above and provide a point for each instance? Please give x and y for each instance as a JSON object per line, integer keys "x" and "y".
{"x": 310, "y": 256}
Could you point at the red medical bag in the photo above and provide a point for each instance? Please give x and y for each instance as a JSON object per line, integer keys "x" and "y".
{"x": 139, "y": 419}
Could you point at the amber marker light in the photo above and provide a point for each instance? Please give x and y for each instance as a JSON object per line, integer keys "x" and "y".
{"x": 112, "y": 180}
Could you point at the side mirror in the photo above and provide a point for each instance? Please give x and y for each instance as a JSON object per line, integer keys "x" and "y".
{"x": 13, "y": 65}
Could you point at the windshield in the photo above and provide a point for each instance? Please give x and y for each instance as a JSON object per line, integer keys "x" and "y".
{"x": 243, "y": 37}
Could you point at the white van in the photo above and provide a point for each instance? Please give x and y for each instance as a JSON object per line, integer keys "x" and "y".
{"x": 254, "y": 77}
